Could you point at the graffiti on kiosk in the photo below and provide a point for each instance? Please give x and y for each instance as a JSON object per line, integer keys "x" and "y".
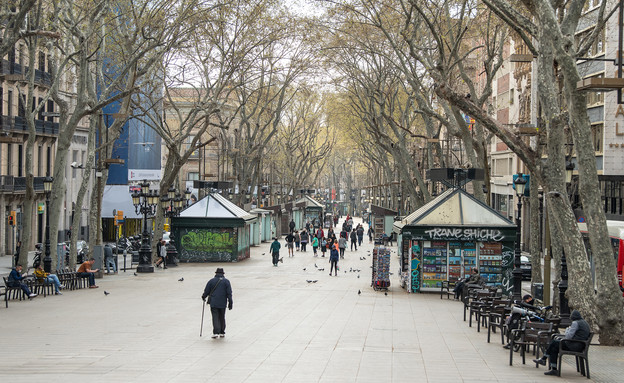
{"x": 415, "y": 273}
{"x": 466, "y": 234}
{"x": 208, "y": 241}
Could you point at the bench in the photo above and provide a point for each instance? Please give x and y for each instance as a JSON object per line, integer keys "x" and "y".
{"x": 13, "y": 292}
{"x": 3, "y": 293}
{"x": 536, "y": 334}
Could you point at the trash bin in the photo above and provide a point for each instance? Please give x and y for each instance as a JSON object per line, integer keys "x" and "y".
{"x": 538, "y": 291}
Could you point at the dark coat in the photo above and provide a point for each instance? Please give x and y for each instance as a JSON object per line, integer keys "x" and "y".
{"x": 222, "y": 295}
{"x": 353, "y": 236}
{"x": 334, "y": 255}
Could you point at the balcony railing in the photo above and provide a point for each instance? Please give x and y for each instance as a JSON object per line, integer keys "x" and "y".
{"x": 12, "y": 184}
{"x": 18, "y": 124}
{"x": 17, "y": 72}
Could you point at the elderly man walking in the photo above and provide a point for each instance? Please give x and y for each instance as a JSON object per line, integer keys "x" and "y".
{"x": 219, "y": 293}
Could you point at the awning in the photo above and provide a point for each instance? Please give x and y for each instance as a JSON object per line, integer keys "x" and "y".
{"x": 118, "y": 197}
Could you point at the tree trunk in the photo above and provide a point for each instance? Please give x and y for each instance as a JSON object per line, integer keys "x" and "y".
{"x": 534, "y": 237}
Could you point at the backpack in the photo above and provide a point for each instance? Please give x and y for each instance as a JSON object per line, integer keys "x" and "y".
{"x": 324, "y": 243}
{"x": 513, "y": 322}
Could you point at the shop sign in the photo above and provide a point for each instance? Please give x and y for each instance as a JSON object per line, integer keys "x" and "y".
{"x": 464, "y": 234}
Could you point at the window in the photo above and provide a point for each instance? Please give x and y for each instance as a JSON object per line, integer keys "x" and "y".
{"x": 9, "y": 159}
{"x": 192, "y": 176}
{"x": 595, "y": 98}
{"x": 598, "y": 45}
{"x": 50, "y": 110}
{"x": 39, "y": 160}
{"x": 511, "y": 96}
{"x": 42, "y": 58}
{"x": 41, "y": 110}
{"x": 10, "y": 103}
{"x": 1, "y": 102}
{"x": 20, "y": 161}
{"x": 597, "y": 135}
{"x": 49, "y": 161}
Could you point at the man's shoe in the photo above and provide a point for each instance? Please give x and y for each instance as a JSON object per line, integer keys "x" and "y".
{"x": 94, "y": 287}
{"x": 61, "y": 286}
{"x": 507, "y": 346}
{"x": 221, "y": 335}
{"x": 58, "y": 293}
{"x": 214, "y": 336}
{"x": 551, "y": 372}
{"x": 540, "y": 361}
{"x": 32, "y": 295}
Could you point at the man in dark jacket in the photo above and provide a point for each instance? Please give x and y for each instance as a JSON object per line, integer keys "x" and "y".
{"x": 291, "y": 225}
{"x": 275, "y": 248}
{"x": 220, "y": 292}
{"x": 353, "y": 237}
{"x": 578, "y": 330}
{"x": 16, "y": 280}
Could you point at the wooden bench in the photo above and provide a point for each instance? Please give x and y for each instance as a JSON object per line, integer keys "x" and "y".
{"x": 13, "y": 292}
{"x": 536, "y": 334}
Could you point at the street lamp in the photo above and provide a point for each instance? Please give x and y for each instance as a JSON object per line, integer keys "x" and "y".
{"x": 172, "y": 204}
{"x": 145, "y": 202}
{"x": 517, "y": 271}
{"x": 47, "y": 260}
{"x": 569, "y": 169}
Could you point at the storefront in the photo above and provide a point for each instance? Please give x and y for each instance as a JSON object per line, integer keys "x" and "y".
{"x": 449, "y": 236}
{"x": 310, "y": 211}
{"x": 262, "y": 229}
{"x": 213, "y": 230}
{"x": 382, "y": 220}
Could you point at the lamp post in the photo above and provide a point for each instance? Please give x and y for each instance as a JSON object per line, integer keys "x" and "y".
{"x": 47, "y": 260}
{"x": 145, "y": 202}
{"x": 172, "y": 204}
{"x": 564, "y": 308}
{"x": 517, "y": 271}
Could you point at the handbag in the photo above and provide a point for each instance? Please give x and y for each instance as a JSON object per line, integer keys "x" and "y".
{"x": 212, "y": 291}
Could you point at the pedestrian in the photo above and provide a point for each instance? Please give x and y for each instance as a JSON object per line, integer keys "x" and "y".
{"x": 297, "y": 239}
{"x": 342, "y": 245}
{"x": 323, "y": 246}
{"x": 162, "y": 254}
{"x": 360, "y": 234}
{"x": 218, "y": 290}
{"x": 315, "y": 244}
{"x": 17, "y": 280}
{"x": 292, "y": 225}
{"x": 578, "y": 330}
{"x": 108, "y": 259}
{"x": 18, "y": 247}
{"x": 304, "y": 240}
{"x": 353, "y": 240}
{"x": 371, "y": 232}
{"x": 320, "y": 233}
{"x": 49, "y": 279}
{"x": 275, "y": 248}
{"x": 330, "y": 233}
{"x": 308, "y": 226}
{"x": 290, "y": 244}
{"x": 333, "y": 261}
{"x": 85, "y": 271}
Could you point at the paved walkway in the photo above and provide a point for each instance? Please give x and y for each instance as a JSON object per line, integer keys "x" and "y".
{"x": 282, "y": 329}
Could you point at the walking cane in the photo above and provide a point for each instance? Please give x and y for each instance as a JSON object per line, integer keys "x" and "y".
{"x": 201, "y": 329}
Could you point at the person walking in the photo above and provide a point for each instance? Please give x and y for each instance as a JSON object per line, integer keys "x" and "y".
{"x": 323, "y": 247}
{"x": 304, "y": 240}
{"x": 275, "y": 248}
{"x": 353, "y": 240}
{"x": 297, "y": 239}
{"x": 292, "y": 225}
{"x": 333, "y": 261}
{"x": 578, "y": 330}
{"x": 162, "y": 254}
{"x": 342, "y": 245}
{"x": 371, "y": 232}
{"x": 218, "y": 290}
{"x": 290, "y": 244}
{"x": 315, "y": 245}
{"x": 360, "y": 234}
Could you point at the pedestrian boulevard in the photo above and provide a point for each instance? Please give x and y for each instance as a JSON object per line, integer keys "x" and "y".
{"x": 281, "y": 329}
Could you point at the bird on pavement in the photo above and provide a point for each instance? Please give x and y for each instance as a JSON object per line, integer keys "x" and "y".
{"x": 309, "y": 281}
{"x": 359, "y": 292}
{"x": 314, "y": 281}
{"x": 181, "y": 279}
{"x": 358, "y": 275}
{"x": 135, "y": 274}
{"x": 386, "y": 293}
{"x": 304, "y": 269}
{"x": 106, "y": 292}
{"x": 323, "y": 269}
{"x": 315, "y": 265}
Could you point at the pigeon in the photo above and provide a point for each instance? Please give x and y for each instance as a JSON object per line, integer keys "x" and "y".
{"x": 181, "y": 279}
{"x": 309, "y": 281}
{"x": 314, "y": 281}
{"x": 135, "y": 274}
{"x": 315, "y": 265}
{"x": 263, "y": 253}
{"x": 386, "y": 293}
{"x": 358, "y": 275}
{"x": 281, "y": 259}
{"x": 323, "y": 269}
{"x": 359, "y": 292}
{"x": 345, "y": 271}
{"x": 106, "y": 292}
{"x": 304, "y": 269}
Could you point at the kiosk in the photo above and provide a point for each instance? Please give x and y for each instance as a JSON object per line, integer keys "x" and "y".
{"x": 447, "y": 237}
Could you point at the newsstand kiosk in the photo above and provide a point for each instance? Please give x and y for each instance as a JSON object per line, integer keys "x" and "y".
{"x": 447, "y": 237}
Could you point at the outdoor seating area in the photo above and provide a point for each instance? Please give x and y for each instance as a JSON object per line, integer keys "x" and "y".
{"x": 66, "y": 276}
{"x": 488, "y": 308}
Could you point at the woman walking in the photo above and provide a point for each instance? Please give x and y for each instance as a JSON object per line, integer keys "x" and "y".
{"x": 315, "y": 245}
{"x": 304, "y": 237}
{"x": 333, "y": 260}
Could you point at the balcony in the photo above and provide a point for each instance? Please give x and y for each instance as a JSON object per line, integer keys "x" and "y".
{"x": 15, "y": 72}
{"x": 18, "y": 124}
{"x": 17, "y": 185}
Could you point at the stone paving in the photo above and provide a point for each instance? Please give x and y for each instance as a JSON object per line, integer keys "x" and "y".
{"x": 282, "y": 329}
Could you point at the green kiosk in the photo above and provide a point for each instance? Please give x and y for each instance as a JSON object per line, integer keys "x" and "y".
{"x": 213, "y": 230}
{"x": 450, "y": 235}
